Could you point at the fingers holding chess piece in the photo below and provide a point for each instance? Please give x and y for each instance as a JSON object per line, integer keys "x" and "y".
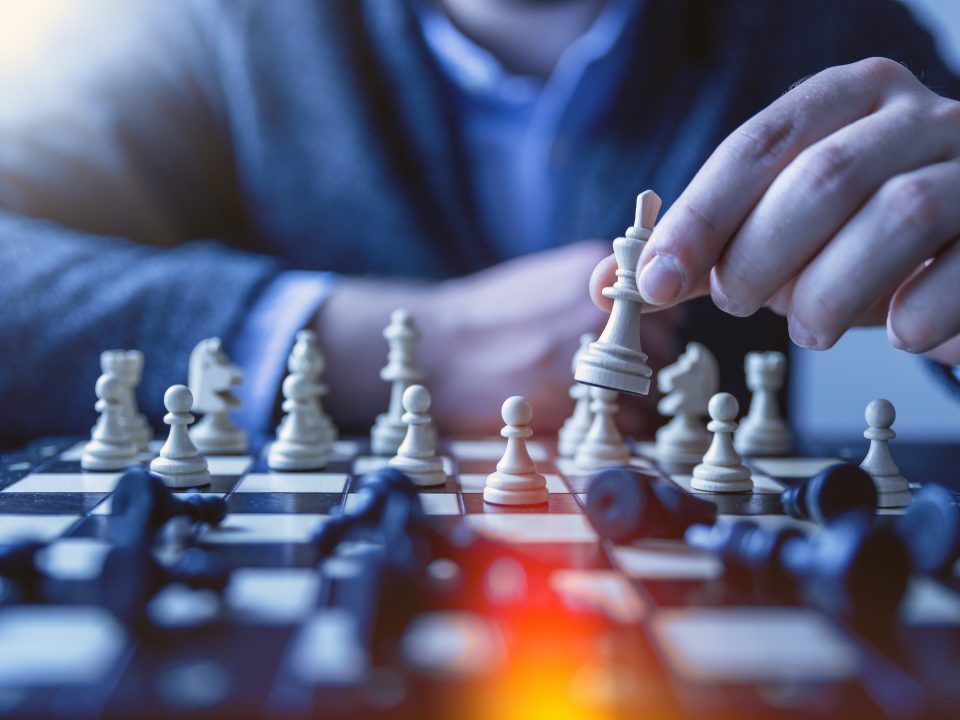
{"x": 417, "y": 455}
{"x": 516, "y": 481}
{"x": 722, "y": 469}
{"x": 110, "y": 448}
{"x": 180, "y": 464}
{"x": 892, "y": 488}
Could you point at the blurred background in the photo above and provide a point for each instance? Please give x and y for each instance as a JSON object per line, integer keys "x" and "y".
{"x": 831, "y": 389}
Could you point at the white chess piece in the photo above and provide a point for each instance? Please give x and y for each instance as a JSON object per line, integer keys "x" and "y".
{"x": 516, "y": 481}
{"x": 722, "y": 469}
{"x": 212, "y": 378}
{"x": 127, "y": 365}
{"x": 306, "y": 358}
{"x": 763, "y": 431}
{"x": 688, "y": 384}
{"x": 180, "y": 464}
{"x": 299, "y": 444}
{"x": 616, "y": 360}
{"x": 603, "y": 446}
{"x": 576, "y": 427}
{"x": 401, "y": 372}
{"x": 417, "y": 455}
{"x": 109, "y": 448}
{"x": 893, "y": 490}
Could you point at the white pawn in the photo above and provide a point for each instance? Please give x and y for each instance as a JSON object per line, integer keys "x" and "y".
{"x": 516, "y": 481}
{"x": 722, "y": 469}
{"x": 299, "y": 444}
{"x": 892, "y": 488}
{"x": 576, "y": 427}
{"x": 180, "y": 464}
{"x": 603, "y": 446}
{"x": 401, "y": 372}
{"x": 110, "y": 448}
{"x": 417, "y": 455}
{"x": 307, "y": 359}
{"x": 763, "y": 431}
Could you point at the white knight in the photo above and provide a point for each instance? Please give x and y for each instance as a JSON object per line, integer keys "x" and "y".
{"x": 212, "y": 379}
{"x": 687, "y": 385}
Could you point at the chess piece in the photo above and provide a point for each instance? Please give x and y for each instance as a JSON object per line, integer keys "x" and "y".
{"x": 617, "y": 361}
{"x": 212, "y": 378}
{"x": 307, "y": 359}
{"x": 127, "y": 365}
{"x": 830, "y": 494}
{"x": 516, "y": 481}
{"x": 401, "y": 371}
{"x": 141, "y": 503}
{"x": 299, "y": 444}
{"x": 688, "y": 384}
{"x": 763, "y": 431}
{"x": 109, "y": 447}
{"x": 603, "y": 446}
{"x": 180, "y": 464}
{"x": 930, "y": 528}
{"x": 576, "y": 427}
{"x": 624, "y": 505}
{"x": 722, "y": 470}
{"x": 416, "y": 455}
{"x": 892, "y": 488}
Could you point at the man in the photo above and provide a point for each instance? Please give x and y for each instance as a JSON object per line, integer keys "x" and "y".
{"x": 431, "y": 155}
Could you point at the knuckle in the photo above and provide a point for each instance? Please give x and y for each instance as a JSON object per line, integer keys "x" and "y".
{"x": 912, "y": 204}
{"x": 882, "y": 70}
{"x": 827, "y": 167}
{"x": 764, "y": 140}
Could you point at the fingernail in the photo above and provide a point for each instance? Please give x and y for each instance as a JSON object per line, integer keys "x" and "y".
{"x": 661, "y": 280}
{"x": 894, "y": 339}
{"x": 731, "y": 307}
{"x": 801, "y": 335}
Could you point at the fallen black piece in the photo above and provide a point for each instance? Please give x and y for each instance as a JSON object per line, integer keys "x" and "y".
{"x": 830, "y": 494}
{"x": 930, "y": 528}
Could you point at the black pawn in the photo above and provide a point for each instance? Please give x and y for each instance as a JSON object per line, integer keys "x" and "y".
{"x": 830, "y": 494}
{"x": 931, "y": 529}
{"x": 147, "y": 503}
{"x": 132, "y": 576}
{"x": 625, "y": 505}
{"x": 854, "y": 568}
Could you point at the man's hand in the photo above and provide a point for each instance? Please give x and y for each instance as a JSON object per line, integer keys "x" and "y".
{"x": 838, "y": 205}
{"x": 509, "y": 330}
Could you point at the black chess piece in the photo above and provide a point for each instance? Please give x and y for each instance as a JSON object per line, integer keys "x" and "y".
{"x": 930, "y": 528}
{"x": 18, "y": 561}
{"x": 830, "y": 494}
{"x": 625, "y": 505}
{"x": 145, "y": 503}
{"x": 386, "y": 502}
{"x": 132, "y": 576}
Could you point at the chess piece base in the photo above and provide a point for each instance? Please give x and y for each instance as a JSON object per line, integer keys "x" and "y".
{"x": 497, "y": 496}
{"x": 101, "y": 457}
{"x": 892, "y": 491}
{"x": 599, "y": 456}
{"x": 719, "y": 479}
{"x": 287, "y": 455}
{"x": 425, "y": 472}
{"x": 677, "y": 443}
{"x": 763, "y": 440}
{"x": 569, "y": 439}
{"x": 210, "y": 443}
{"x": 181, "y": 473}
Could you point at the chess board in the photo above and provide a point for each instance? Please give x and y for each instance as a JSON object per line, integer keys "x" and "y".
{"x": 675, "y": 638}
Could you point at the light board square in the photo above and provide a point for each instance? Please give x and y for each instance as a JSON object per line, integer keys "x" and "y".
{"x": 793, "y": 467}
{"x": 264, "y": 528}
{"x": 528, "y": 528}
{"x": 229, "y": 464}
{"x": 74, "y": 558}
{"x": 475, "y": 482}
{"x": 605, "y": 590}
{"x": 928, "y": 602}
{"x": 272, "y": 595}
{"x": 66, "y": 483}
{"x": 667, "y": 560}
{"x": 369, "y": 463}
{"x": 754, "y": 645}
{"x": 433, "y": 503}
{"x": 42, "y": 528}
{"x": 293, "y": 483}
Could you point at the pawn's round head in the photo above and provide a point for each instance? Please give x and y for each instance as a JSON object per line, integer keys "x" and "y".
{"x": 517, "y": 410}
{"x": 178, "y": 399}
{"x": 416, "y": 399}
{"x": 880, "y": 413}
{"x": 109, "y": 387}
{"x": 296, "y": 386}
{"x": 401, "y": 316}
{"x": 723, "y": 407}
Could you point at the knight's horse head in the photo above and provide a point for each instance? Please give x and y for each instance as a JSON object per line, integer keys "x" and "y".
{"x": 689, "y": 383}
{"x": 212, "y": 378}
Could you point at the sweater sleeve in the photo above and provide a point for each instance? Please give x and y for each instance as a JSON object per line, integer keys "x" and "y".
{"x": 115, "y": 172}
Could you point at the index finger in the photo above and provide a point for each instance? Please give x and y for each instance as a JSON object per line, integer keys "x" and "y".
{"x": 690, "y": 238}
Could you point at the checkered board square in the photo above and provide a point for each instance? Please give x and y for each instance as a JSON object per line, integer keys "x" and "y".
{"x": 668, "y": 605}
